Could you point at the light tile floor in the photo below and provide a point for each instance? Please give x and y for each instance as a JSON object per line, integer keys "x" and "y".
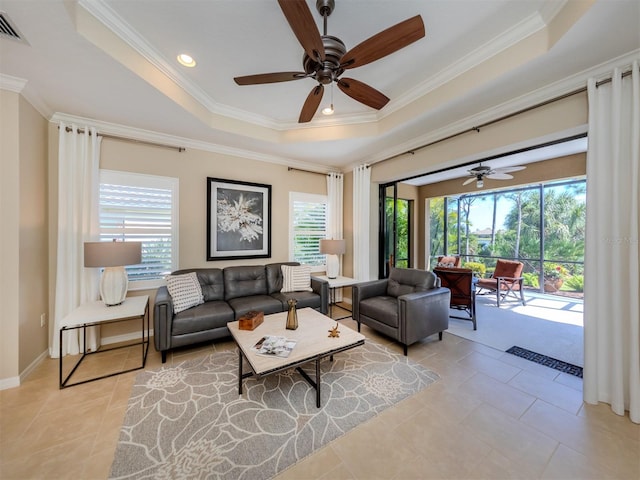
{"x": 491, "y": 415}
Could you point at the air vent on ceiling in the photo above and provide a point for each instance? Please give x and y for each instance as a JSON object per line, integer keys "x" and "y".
{"x": 8, "y": 29}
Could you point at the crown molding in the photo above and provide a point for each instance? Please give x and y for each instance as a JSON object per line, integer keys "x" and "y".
{"x": 12, "y": 84}
{"x": 107, "y": 16}
{"x": 488, "y": 50}
{"x": 132, "y": 133}
{"x": 22, "y": 87}
{"x": 540, "y": 95}
{"x": 110, "y": 19}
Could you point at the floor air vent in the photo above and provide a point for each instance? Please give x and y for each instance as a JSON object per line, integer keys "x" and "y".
{"x": 8, "y": 30}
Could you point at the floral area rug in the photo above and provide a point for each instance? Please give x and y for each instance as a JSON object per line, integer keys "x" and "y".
{"x": 188, "y": 421}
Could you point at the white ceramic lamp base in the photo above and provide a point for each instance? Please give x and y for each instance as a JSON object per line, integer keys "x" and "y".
{"x": 113, "y": 285}
{"x": 333, "y": 266}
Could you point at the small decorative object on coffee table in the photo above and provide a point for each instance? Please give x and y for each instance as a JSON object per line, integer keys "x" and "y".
{"x": 334, "y": 332}
{"x": 292, "y": 315}
{"x": 250, "y": 320}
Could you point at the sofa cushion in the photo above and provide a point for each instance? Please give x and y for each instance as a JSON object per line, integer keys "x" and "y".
{"x": 207, "y": 316}
{"x": 384, "y": 309}
{"x": 409, "y": 280}
{"x": 211, "y": 282}
{"x": 262, "y": 303}
{"x": 244, "y": 281}
{"x": 296, "y": 279}
{"x": 185, "y": 291}
{"x": 303, "y": 299}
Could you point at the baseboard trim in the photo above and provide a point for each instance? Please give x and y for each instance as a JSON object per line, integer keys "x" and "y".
{"x": 10, "y": 382}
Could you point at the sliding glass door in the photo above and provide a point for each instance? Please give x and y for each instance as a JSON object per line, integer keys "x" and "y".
{"x": 395, "y": 236}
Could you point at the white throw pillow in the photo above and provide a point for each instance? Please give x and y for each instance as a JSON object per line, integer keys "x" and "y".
{"x": 296, "y": 278}
{"x": 185, "y": 291}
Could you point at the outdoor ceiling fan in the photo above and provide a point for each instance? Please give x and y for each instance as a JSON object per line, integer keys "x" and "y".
{"x": 326, "y": 57}
{"x": 479, "y": 173}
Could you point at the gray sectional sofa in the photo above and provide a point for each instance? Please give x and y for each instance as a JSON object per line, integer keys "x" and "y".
{"x": 228, "y": 294}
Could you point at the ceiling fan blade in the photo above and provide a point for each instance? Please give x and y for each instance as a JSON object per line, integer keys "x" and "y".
{"x": 363, "y": 93}
{"x": 311, "y": 104}
{"x": 509, "y": 169}
{"x": 269, "y": 78}
{"x": 304, "y": 27}
{"x": 499, "y": 176}
{"x": 384, "y": 43}
{"x": 469, "y": 180}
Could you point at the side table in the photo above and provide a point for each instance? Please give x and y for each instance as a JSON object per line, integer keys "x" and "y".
{"x": 334, "y": 283}
{"x": 92, "y": 314}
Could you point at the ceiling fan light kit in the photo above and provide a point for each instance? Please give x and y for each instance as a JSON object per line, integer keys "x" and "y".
{"x": 326, "y": 57}
{"x": 479, "y": 173}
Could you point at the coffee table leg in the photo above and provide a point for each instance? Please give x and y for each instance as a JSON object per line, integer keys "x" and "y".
{"x": 318, "y": 382}
{"x": 239, "y": 371}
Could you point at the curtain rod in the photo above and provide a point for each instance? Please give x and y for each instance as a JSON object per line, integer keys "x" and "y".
{"x": 132, "y": 140}
{"x": 504, "y": 117}
{"x": 317, "y": 173}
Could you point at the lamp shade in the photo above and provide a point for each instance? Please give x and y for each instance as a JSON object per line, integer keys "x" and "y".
{"x": 112, "y": 254}
{"x": 333, "y": 247}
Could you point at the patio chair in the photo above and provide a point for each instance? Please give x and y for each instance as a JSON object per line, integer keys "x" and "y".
{"x": 449, "y": 261}
{"x": 506, "y": 280}
{"x": 463, "y": 294}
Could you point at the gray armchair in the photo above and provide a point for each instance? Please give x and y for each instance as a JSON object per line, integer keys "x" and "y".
{"x": 408, "y": 306}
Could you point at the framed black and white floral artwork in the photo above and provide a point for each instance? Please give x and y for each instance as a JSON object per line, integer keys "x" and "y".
{"x": 238, "y": 219}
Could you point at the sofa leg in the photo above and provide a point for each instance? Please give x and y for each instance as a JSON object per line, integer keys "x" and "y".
{"x": 164, "y": 356}
{"x": 440, "y": 336}
{"x": 358, "y": 326}
{"x": 405, "y": 350}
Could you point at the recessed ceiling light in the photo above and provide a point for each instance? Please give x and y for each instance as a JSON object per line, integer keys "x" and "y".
{"x": 186, "y": 60}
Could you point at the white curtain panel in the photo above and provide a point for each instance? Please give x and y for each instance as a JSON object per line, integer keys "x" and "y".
{"x": 361, "y": 220}
{"x": 78, "y": 190}
{"x": 335, "y": 228}
{"x": 427, "y": 235}
{"x": 612, "y": 290}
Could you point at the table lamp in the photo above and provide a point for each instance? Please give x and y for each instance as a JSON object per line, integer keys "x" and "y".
{"x": 113, "y": 256}
{"x": 332, "y": 248}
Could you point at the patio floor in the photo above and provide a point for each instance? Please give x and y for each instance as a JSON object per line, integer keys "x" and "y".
{"x": 550, "y": 325}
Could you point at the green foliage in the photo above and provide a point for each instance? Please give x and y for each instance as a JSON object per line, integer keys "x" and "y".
{"x": 478, "y": 268}
{"x": 575, "y": 283}
{"x": 531, "y": 280}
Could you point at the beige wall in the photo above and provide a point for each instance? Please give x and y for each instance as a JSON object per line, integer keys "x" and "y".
{"x": 192, "y": 168}
{"x": 10, "y": 237}
{"x": 33, "y": 256}
{"x": 23, "y": 243}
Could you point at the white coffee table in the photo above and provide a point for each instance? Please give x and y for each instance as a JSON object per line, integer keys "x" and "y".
{"x": 313, "y": 343}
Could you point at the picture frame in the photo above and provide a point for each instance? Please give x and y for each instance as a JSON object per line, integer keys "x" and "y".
{"x": 238, "y": 219}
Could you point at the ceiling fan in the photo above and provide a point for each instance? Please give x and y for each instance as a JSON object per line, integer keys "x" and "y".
{"x": 326, "y": 57}
{"x": 479, "y": 173}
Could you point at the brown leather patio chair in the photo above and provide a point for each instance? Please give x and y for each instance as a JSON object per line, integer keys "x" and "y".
{"x": 506, "y": 280}
{"x": 463, "y": 292}
{"x": 449, "y": 261}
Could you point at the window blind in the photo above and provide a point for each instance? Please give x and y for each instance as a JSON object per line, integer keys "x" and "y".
{"x": 142, "y": 214}
{"x": 309, "y": 227}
